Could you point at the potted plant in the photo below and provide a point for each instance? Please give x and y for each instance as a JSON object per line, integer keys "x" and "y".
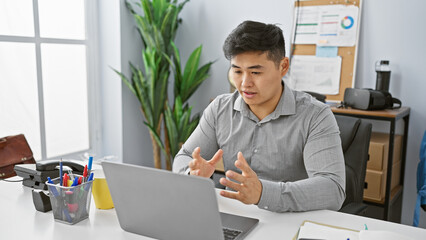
{"x": 157, "y": 27}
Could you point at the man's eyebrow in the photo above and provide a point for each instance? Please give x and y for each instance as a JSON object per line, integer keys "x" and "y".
{"x": 251, "y": 67}
{"x": 255, "y": 67}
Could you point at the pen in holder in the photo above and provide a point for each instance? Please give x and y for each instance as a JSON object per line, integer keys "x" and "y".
{"x": 71, "y": 204}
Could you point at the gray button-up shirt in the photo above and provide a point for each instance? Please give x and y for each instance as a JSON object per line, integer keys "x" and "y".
{"x": 295, "y": 151}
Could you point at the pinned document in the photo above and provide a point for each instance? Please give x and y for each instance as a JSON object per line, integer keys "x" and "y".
{"x": 306, "y": 24}
{"x": 328, "y": 25}
{"x": 338, "y": 26}
{"x": 314, "y": 74}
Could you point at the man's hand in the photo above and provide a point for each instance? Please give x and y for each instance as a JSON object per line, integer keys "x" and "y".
{"x": 249, "y": 188}
{"x": 201, "y": 167}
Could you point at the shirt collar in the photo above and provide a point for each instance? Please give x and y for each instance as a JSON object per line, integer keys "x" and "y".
{"x": 286, "y": 105}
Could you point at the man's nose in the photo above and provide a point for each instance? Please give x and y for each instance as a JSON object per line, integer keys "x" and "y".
{"x": 247, "y": 80}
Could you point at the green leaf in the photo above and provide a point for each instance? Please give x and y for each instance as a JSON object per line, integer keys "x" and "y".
{"x": 178, "y": 108}
{"x": 145, "y": 29}
{"x": 177, "y": 70}
{"x": 202, "y": 74}
{"x": 147, "y": 10}
{"x": 166, "y": 23}
{"x": 156, "y": 137}
{"x": 172, "y": 132}
{"x": 126, "y": 81}
{"x": 140, "y": 82}
{"x": 191, "y": 68}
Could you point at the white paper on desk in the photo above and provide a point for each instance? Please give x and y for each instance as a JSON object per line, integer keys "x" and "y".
{"x": 315, "y": 74}
{"x": 316, "y": 231}
{"x": 374, "y": 235}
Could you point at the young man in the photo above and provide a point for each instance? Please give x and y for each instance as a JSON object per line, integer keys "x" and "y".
{"x": 281, "y": 148}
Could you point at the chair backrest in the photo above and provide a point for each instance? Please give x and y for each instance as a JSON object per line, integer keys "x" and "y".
{"x": 355, "y": 135}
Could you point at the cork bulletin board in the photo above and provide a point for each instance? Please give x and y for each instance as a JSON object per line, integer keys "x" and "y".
{"x": 347, "y": 54}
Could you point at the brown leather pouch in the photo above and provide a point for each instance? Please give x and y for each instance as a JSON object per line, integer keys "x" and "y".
{"x": 13, "y": 150}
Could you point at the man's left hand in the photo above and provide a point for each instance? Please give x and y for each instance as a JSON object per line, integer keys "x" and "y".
{"x": 248, "y": 189}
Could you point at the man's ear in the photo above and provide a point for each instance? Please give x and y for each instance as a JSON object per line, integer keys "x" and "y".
{"x": 284, "y": 66}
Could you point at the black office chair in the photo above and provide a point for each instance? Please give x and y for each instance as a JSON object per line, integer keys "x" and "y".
{"x": 355, "y": 135}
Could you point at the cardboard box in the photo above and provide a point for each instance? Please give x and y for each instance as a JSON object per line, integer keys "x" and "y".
{"x": 374, "y": 185}
{"x": 379, "y": 151}
{"x": 375, "y": 182}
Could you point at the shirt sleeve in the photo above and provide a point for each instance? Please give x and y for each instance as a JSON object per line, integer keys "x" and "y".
{"x": 204, "y": 136}
{"x": 323, "y": 158}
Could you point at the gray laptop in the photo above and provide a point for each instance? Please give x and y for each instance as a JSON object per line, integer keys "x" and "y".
{"x": 165, "y": 205}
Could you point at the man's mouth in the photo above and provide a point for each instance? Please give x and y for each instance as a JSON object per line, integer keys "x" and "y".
{"x": 249, "y": 94}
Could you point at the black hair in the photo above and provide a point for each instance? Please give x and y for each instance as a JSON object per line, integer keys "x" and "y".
{"x": 256, "y": 36}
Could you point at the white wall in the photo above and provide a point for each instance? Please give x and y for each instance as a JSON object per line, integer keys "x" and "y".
{"x": 123, "y": 133}
{"x": 110, "y": 56}
{"x": 390, "y": 29}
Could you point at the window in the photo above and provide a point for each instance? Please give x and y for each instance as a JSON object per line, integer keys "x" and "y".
{"x": 47, "y": 75}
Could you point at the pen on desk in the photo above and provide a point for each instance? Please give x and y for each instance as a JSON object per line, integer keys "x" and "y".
{"x": 85, "y": 174}
{"x": 60, "y": 172}
{"x": 87, "y": 187}
{"x": 67, "y": 215}
{"x": 89, "y": 168}
{"x": 49, "y": 180}
{"x": 52, "y": 188}
{"x": 75, "y": 183}
{"x": 90, "y": 177}
{"x": 65, "y": 180}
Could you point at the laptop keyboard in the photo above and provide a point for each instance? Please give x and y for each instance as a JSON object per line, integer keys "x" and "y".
{"x": 230, "y": 233}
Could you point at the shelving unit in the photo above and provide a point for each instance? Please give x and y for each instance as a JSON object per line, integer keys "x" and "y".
{"x": 393, "y": 197}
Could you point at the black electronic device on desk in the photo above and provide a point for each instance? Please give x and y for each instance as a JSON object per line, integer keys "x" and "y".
{"x": 35, "y": 175}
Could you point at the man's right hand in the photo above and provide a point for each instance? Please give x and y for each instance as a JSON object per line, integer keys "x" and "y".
{"x": 201, "y": 167}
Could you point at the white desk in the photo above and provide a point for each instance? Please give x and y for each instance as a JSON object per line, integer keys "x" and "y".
{"x": 20, "y": 220}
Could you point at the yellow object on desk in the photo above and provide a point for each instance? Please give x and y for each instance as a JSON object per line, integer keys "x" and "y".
{"x": 100, "y": 191}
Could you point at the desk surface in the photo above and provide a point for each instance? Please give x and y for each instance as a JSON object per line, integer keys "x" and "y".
{"x": 387, "y": 113}
{"x": 20, "y": 220}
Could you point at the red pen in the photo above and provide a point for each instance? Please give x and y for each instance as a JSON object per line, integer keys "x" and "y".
{"x": 85, "y": 172}
{"x": 80, "y": 180}
{"x": 65, "y": 181}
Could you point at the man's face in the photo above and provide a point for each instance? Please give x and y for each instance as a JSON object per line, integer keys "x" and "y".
{"x": 258, "y": 79}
